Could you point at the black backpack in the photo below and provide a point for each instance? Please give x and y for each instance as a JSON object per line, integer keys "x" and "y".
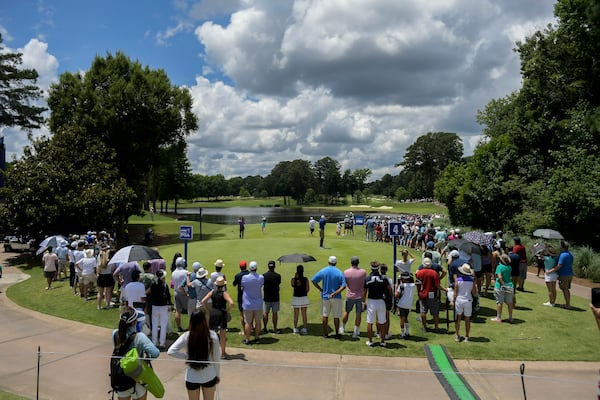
{"x": 118, "y": 380}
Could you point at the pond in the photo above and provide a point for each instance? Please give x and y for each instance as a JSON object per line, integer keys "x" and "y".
{"x": 254, "y": 215}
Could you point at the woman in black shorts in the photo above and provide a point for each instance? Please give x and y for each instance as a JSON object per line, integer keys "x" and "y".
{"x": 106, "y": 281}
{"x": 200, "y": 346}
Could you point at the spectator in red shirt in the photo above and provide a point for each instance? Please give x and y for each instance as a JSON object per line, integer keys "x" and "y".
{"x": 428, "y": 286}
{"x": 520, "y": 250}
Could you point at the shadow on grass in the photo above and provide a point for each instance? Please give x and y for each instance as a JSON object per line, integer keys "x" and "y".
{"x": 521, "y": 308}
{"x": 479, "y": 339}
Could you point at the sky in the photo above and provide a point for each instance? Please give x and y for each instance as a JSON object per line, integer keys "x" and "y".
{"x": 358, "y": 81}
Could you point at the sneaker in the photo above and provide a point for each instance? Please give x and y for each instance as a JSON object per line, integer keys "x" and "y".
{"x": 377, "y": 335}
{"x": 457, "y": 338}
{"x": 341, "y": 330}
{"x": 277, "y": 331}
{"x": 388, "y": 336}
{"x": 383, "y": 344}
{"x": 355, "y": 335}
{"x": 495, "y": 319}
{"x": 548, "y": 304}
{"x": 369, "y": 343}
{"x": 303, "y": 331}
{"x": 467, "y": 339}
{"x": 296, "y": 331}
{"x": 246, "y": 342}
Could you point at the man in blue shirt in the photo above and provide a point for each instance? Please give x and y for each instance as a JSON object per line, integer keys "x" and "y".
{"x": 334, "y": 283}
{"x": 564, "y": 268}
{"x": 252, "y": 302}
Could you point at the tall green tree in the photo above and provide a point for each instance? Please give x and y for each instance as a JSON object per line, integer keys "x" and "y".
{"x": 426, "y": 158}
{"x": 133, "y": 110}
{"x": 537, "y": 163}
{"x": 66, "y": 184}
{"x": 18, "y": 90}
{"x": 328, "y": 177}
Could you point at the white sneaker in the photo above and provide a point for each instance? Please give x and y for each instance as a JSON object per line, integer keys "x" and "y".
{"x": 296, "y": 331}
{"x": 369, "y": 343}
{"x": 457, "y": 338}
{"x": 341, "y": 330}
{"x": 303, "y": 331}
{"x": 377, "y": 336}
{"x": 467, "y": 339}
{"x": 388, "y": 336}
{"x": 355, "y": 335}
{"x": 548, "y": 304}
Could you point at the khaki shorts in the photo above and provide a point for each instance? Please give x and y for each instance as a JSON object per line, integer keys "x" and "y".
{"x": 331, "y": 306}
{"x": 564, "y": 282}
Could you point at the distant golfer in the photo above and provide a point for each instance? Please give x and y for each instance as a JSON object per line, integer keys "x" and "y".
{"x": 322, "y": 223}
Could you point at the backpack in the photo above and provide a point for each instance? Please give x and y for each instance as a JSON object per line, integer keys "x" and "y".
{"x": 118, "y": 380}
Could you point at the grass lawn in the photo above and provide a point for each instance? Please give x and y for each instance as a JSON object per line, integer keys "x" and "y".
{"x": 540, "y": 333}
{"x": 10, "y": 396}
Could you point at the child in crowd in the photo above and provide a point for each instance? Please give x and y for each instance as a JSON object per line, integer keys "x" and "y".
{"x": 405, "y": 292}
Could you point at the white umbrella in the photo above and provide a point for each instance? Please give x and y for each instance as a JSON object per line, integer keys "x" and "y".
{"x": 51, "y": 241}
{"x": 134, "y": 253}
{"x": 547, "y": 234}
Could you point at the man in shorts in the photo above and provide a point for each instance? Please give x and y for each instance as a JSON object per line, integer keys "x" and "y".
{"x": 564, "y": 267}
{"x": 252, "y": 302}
{"x": 50, "y": 261}
{"x": 271, "y": 296}
{"x": 464, "y": 289}
{"x": 428, "y": 286}
{"x": 179, "y": 278}
{"x": 237, "y": 281}
{"x": 377, "y": 287}
{"x": 355, "y": 282}
{"x": 334, "y": 283}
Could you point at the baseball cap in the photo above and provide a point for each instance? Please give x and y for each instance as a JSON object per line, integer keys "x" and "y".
{"x": 427, "y": 262}
{"x": 180, "y": 262}
{"x": 253, "y": 266}
{"x": 454, "y": 254}
{"x": 430, "y": 244}
{"x": 332, "y": 260}
{"x": 271, "y": 263}
{"x": 243, "y": 264}
{"x": 196, "y": 266}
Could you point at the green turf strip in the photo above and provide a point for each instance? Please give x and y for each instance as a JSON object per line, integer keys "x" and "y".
{"x": 448, "y": 371}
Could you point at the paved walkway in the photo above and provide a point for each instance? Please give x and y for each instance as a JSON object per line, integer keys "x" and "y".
{"x": 74, "y": 365}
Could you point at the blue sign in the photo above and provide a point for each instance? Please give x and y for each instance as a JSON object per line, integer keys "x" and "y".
{"x": 186, "y": 232}
{"x": 359, "y": 220}
{"x": 395, "y": 228}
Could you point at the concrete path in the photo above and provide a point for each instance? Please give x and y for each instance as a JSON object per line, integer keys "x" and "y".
{"x": 74, "y": 365}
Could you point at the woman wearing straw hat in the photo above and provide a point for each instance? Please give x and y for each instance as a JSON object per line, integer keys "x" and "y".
{"x": 463, "y": 303}
{"x": 220, "y": 311}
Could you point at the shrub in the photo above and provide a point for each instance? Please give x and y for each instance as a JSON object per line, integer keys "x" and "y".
{"x": 585, "y": 257}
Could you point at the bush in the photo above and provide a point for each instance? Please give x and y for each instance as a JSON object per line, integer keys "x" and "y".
{"x": 584, "y": 258}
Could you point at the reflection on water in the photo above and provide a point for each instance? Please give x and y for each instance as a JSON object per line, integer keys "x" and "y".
{"x": 254, "y": 215}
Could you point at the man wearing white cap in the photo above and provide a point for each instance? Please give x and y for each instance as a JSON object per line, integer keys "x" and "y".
{"x": 334, "y": 283}
{"x": 252, "y": 302}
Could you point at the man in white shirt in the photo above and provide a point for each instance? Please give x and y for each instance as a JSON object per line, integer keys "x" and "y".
{"x": 179, "y": 279}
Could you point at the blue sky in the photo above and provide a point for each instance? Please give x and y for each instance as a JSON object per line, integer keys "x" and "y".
{"x": 288, "y": 79}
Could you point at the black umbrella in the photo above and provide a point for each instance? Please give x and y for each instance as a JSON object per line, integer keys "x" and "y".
{"x": 296, "y": 258}
{"x": 465, "y": 245}
{"x": 134, "y": 253}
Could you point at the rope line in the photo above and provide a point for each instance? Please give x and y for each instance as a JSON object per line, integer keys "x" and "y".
{"x": 313, "y": 367}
